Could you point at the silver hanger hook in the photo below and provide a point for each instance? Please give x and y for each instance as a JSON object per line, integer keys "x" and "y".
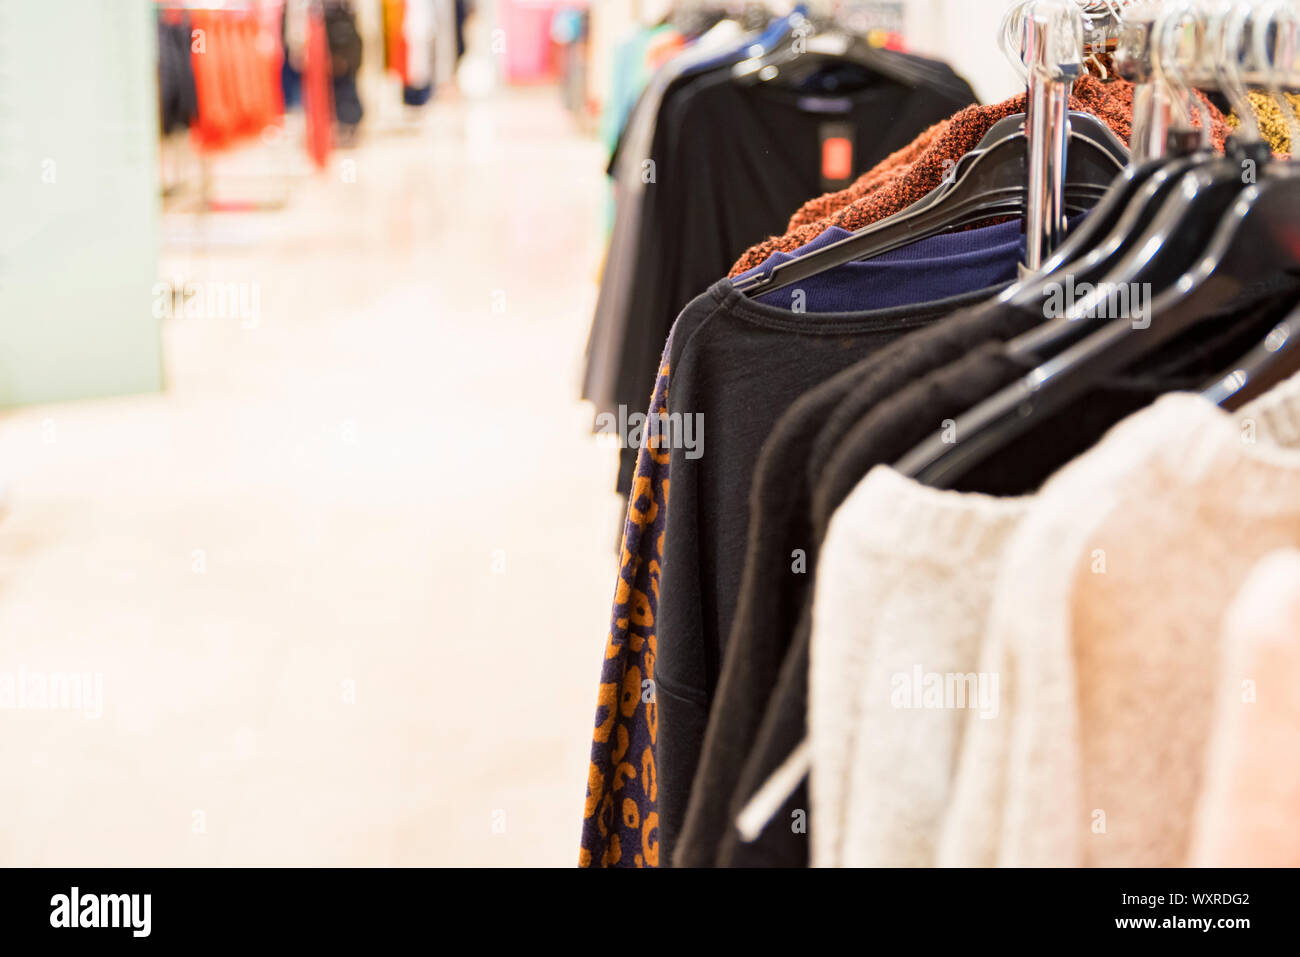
{"x": 1228, "y": 38}
{"x": 1103, "y": 21}
{"x": 1009, "y": 39}
{"x": 1168, "y": 64}
{"x": 1057, "y": 44}
{"x": 1013, "y": 35}
{"x": 1097, "y": 22}
{"x": 1135, "y": 62}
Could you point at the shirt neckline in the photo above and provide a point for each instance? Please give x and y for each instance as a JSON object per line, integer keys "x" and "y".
{"x": 737, "y": 304}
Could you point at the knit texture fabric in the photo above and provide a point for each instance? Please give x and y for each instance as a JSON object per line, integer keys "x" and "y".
{"x": 902, "y": 592}
{"x": 1104, "y": 631}
{"x": 873, "y": 197}
{"x": 1272, "y": 118}
{"x": 828, "y": 204}
{"x": 1247, "y": 813}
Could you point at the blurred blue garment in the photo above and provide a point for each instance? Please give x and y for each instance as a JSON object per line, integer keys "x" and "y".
{"x": 925, "y": 271}
{"x": 417, "y": 95}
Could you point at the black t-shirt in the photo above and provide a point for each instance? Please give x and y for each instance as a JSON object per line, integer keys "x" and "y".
{"x": 732, "y": 162}
{"x": 606, "y": 340}
{"x": 782, "y": 552}
{"x": 896, "y": 426}
{"x": 736, "y": 366}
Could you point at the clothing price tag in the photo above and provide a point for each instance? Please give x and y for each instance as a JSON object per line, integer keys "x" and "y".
{"x": 837, "y": 151}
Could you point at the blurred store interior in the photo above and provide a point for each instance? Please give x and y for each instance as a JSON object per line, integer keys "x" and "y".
{"x": 298, "y": 485}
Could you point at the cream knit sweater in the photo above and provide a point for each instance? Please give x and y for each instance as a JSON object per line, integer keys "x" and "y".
{"x": 903, "y": 587}
{"x": 1249, "y": 811}
{"x": 1104, "y": 631}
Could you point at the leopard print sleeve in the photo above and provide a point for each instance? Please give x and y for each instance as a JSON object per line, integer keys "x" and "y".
{"x": 621, "y": 819}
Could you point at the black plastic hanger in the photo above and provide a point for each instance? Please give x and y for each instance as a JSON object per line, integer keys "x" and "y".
{"x": 1169, "y": 232}
{"x": 993, "y": 186}
{"x": 1079, "y": 197}
{"x": 1273, "y": 361}
{"x": 792, "y": 64}
{"x": 1086, "y": 256}
{"x": 1085, "y": 124}
{"x": 1110, "y": 223}
{"x": 1008, "y": 126}
{"x": 775, "y": 44}
{"x": 1108, "y": 233}
{"x": 1256, "y": 239}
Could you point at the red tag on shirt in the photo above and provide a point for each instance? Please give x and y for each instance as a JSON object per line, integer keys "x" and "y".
{"x": 837, "y": 158}
{"x": 838, "y": 146}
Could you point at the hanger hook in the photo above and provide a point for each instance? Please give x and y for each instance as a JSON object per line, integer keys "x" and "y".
{"x": 1104, "y": 21}
{"x": 1135, "y": 57}
{"x": 1095, "y": 35}
{"x": 1161, "y": 78}
{"x": 1057, "y": 27}
{"x": 1227, "y": 31}
{"x": 1171, "y": 33}
{"x": 1007, "y": 34}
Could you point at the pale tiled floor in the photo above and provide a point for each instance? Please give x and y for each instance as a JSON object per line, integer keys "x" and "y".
{"x": 321, "y": 503}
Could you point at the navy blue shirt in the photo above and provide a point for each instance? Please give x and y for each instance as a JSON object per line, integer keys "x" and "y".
{"x": 936, "y": 268}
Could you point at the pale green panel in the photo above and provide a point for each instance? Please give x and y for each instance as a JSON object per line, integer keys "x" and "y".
{"x": 78, "y": 199}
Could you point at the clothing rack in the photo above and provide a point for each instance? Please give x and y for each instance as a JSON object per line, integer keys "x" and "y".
{"x": 174, "y": 152}
{"x": 1153, "y": 54}
{"x": 1057, "y": 39}
{"x": 1029, "y": 428}
{"x": 1052, "y": 48}
{"x": 1047, "y": 42}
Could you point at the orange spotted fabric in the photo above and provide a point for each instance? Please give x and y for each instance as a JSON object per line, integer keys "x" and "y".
{"x": 621, "y": 819}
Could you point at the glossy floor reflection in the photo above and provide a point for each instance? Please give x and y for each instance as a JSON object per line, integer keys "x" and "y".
{"x": 346, "y": 581}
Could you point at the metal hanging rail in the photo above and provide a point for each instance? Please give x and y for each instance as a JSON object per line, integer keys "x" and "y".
{"x": 1052, "y": 45}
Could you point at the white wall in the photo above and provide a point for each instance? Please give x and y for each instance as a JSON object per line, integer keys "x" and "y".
{"x": 964, "y": 32}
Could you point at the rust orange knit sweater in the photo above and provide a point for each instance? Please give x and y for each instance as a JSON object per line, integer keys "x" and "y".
{"x": 906, "y": 176}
